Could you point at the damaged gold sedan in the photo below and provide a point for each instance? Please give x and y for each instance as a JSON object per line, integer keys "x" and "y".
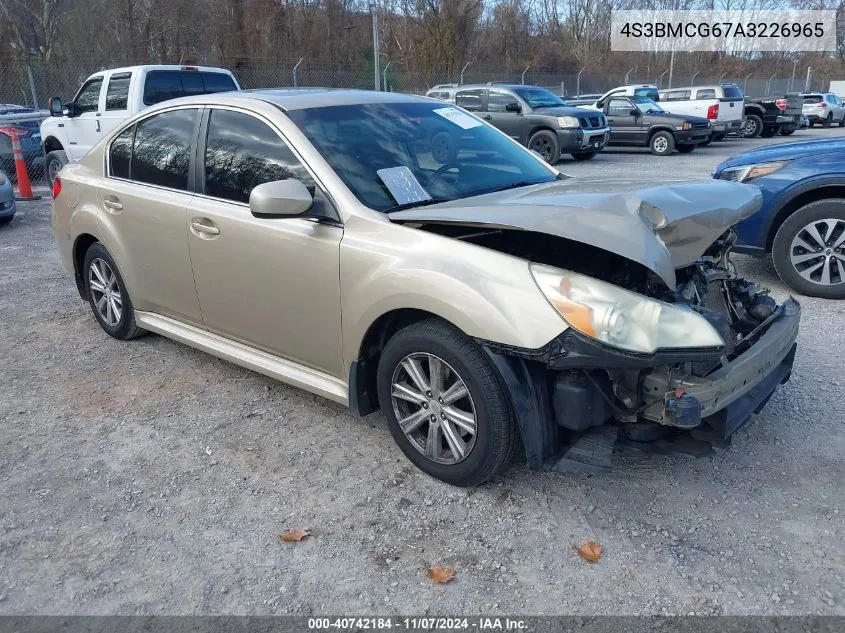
{"x": 389, "y": 251}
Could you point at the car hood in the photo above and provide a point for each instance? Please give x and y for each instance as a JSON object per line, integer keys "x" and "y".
{"x": 786, "y": 151}
{"x": 662, "y": 228}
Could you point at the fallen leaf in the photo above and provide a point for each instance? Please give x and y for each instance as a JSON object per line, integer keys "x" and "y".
{"x": 294, "y": 536}
{"x": 440, "y": 574}
{"x": 589, "y": 551}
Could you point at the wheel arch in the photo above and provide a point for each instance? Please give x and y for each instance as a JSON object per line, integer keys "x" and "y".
{"x": 659, "y": 128}
{"x": 81, "y": 244}
{"x": 52, "y": 144}
{"x": 805, "y": 195}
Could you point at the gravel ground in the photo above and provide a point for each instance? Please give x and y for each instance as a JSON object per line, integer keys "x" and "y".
{"x": 147, "y": 478}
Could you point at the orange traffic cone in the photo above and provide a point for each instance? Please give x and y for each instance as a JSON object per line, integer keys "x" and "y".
{"x": 24, "y": 188}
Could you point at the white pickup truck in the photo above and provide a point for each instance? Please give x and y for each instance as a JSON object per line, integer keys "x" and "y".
{"x": 110, "y": 96}
{"x": 722, "y": 104}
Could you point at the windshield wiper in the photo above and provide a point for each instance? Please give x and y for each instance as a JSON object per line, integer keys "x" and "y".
{"x": 512, "y": 185}
{"x": 418, "y": 203}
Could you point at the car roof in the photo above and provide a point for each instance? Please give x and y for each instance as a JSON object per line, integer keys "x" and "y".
{"x": 298, "y": 98}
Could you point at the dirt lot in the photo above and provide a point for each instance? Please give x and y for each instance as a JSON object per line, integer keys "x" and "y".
{"x": 147, "y": 478}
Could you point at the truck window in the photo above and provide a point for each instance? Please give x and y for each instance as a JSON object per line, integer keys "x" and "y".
{"x": 651, "y": 93}
{"x": 707, "y": 93}
{"x": 497, "y": 101}
{"x": 732, "y": 93}
{"x": 88, "y": 98}
{"x": 217, "y": 82}
{"x": 117, "y": 93}
{"x": 676, "y": 95}
{"x": 162, "y": 85}
{"x": 620, "y": 107}
{"x": 469, "y": 100}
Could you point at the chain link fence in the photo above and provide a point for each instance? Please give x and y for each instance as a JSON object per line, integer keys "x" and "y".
{"x": 27, "y": 86}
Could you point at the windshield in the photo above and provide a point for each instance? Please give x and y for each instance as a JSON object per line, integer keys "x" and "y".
{"x": 646, "y": 105}
{"x": 400, "y": 155}
{"x": 539, "y": 97}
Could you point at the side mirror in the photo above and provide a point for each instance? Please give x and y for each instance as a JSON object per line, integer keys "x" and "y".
{"x": 280, "y": 198}
{"x": 513, "y": 107}
{"x": 634, "y": 112}
{"x": 55, "y": 106}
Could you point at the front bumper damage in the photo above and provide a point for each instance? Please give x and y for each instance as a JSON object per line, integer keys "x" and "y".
{"x": 571, "y": 421}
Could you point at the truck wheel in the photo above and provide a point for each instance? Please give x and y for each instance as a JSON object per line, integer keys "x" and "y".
{"x": 686, "y": 149}
{"x": 752, "y": 126}
{"x": 545, "y": 144}
{"x": 445, "y": 404}
{"x": 809, "y": 249}
{"x": 662, "y": 144}
{"x": 53, "y": 164}
{"x": 584, "y": 155}
{"x": 443, "y": 148}
{"x": 829, "y": 120}
{"x": 769, "y": 132}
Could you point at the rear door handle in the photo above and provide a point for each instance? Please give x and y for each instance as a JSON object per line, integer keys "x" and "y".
{"x": 112, "y": 204}
{"x": 204, "y": 227}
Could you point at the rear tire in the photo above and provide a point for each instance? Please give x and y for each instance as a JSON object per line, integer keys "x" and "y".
{"x": 53, "y": 163}
{"x": 430, "y": 444}
{"x": 584, "y": 155}
{"x": 686, "y": 149}
{"x": 842, "y": 122}
{"x": 544, "y": 142}
{"x": 787, "y": 131}
{"x": 661, "y": 144}
{"x": 769, "y": 132}
{"x": 107, "y": 294}
{"x": 752, "y": 127}
{"x": 5, "y": 221}
{"x": 788, "y": 252}
{"x": 829, "y": 120}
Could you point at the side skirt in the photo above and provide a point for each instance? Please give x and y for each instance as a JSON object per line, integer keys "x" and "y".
{"x": 281, "y": 369}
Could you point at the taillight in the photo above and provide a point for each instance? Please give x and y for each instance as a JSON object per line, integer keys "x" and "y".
{"x": 781, "y": 103}
{"x": 823, "y": 104}
{"x": 57, "y": 187}
{"x": 713, "y": 111}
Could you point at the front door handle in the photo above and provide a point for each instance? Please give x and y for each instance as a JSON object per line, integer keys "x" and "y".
{"x": 112, "y": 204}
{"x": 98, "y": 124}
{"x": 204, "y": 227}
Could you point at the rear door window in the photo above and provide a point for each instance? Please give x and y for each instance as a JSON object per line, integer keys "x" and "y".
{"x": 117, "y": 93}
{"x": 469, "y": 100}
{"x": 498, "y": 101}
{"x": 120, "y": 153}
{"x": 161, "y": 153}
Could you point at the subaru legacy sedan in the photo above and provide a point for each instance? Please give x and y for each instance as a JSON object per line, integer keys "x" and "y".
{"x": 482, "y": 303}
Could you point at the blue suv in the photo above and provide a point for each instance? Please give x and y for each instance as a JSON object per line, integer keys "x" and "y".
{"x": 802, "y": 220}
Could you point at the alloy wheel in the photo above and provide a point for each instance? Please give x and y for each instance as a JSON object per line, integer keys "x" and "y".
{"x": 543, "y": 147}
{"x": 105, "y": 292}
{"x": 53, "y": 169}
{"x": 817, "y": 252}
{"x": 749, "y": 127}
{"x": 433, "y": 408}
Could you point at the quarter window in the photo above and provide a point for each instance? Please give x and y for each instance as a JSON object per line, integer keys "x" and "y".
{"x": 88, "y": 99}
{"x": 707, "y": 93}
{"x": 120, "y": 153}
{"x": 676, "y": 95}
{"x": 242, "y": 152}
{"x": 469, "y": 100}
{"x": 117, "y": 94}
{"x": 162, "y": 149}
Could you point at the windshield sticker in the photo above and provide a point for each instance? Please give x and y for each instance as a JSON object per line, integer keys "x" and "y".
{"x": 403, "y": 185}
{"x": 458, "y": 118}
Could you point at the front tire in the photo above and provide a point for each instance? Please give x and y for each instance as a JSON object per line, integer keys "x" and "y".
{"x": 752, "y": 126}
{"x": 108, "y": 296}
{"x": 584, "y": 155}
{"x": 53, "y": 163}
{"x": 544, "y": 142}
{"x": 662, "y": 144}
{"x": 842, "y": 122}
{"x": 809, "y": 249}
{"x": 445, "y": 405}
{"x": 829, "y": 120}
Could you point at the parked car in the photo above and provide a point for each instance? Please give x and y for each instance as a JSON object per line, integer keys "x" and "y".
{"x": 482, "y": 300}
{"x": 109, "y": 97}
{"x": 639, "y": 121}
{"x": 824, "y": 108}
{"x": 26, "y": 122}
{"x": 769, "y": 116}
{"x": 444, "y": 92}
{"x": 538, "y": 119}
{"x": 635, "y": 90}
{"x": 802, "y": 220}
{"x": 7, "y": 199}
{"x": 585, "y": 99}
{"x": 721, "y": 104}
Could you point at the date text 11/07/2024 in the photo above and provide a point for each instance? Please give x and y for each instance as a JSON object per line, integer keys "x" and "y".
{"x": 418, "y": 624}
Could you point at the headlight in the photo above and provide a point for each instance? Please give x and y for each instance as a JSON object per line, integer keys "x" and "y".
{"x": 746, "y": 173}
{"x": 3, "y": 179}
{"x": 568, "y": 122}
{"x": 621, "y": 318}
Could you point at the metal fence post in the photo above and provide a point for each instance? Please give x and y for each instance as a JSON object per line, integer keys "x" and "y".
{"x": 32, "y": 85}
{"x": 660, "y": 79}
{"x": 296, "y": 73}
{"x": 745, "y": 84}
{"x": 384, "y": 75}
{"x": 633, "y": 70}
{"x": 807, "y": 82}
{"x": 692, "y": 79}
{"x": 375, "y": 46}
{"x": 523, "y": 74}
{"x": 578, "y": 82}
{"x": 792, "y": 79}
{"x": 461, "y": 81}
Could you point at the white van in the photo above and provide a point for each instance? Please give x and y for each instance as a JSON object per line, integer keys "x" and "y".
{"x": 723, "y": 105}
{"x": 109, "y": 97}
